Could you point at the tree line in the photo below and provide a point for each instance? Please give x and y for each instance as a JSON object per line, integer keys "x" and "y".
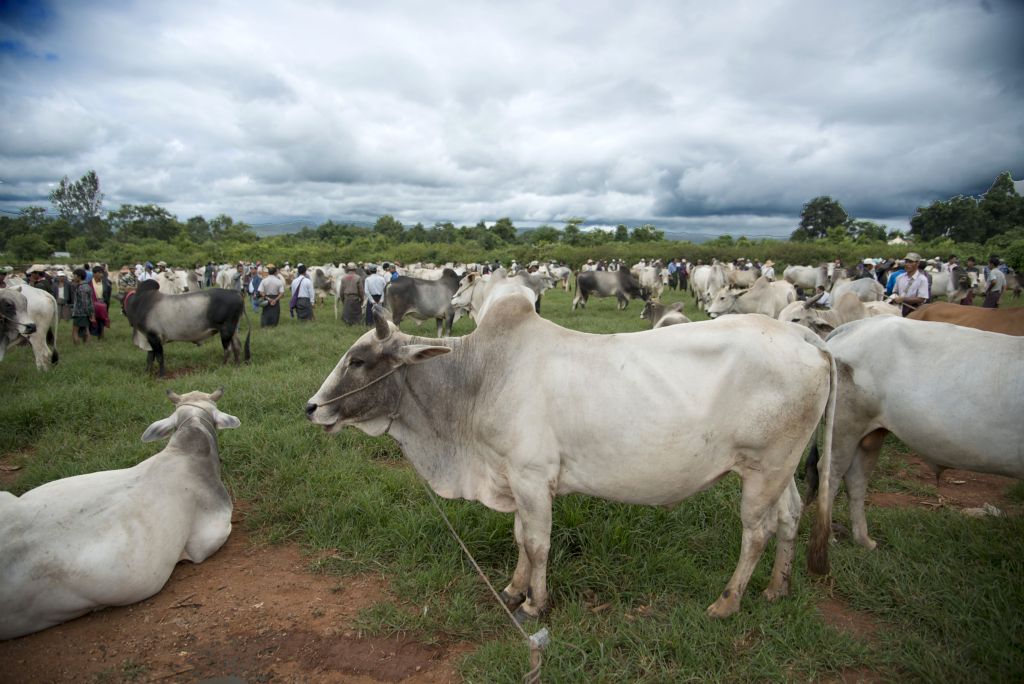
{"x": 979, "y": 226}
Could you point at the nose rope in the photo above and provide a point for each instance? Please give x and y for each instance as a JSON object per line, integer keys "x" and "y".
{"x": 15, "y": 321}
{"x": 360, "y": 389}
{"x": 398, "y": 404}
{"x": 203, "y": 417}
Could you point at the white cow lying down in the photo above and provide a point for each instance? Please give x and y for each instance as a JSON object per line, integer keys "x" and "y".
{"x": 112, "y": 538}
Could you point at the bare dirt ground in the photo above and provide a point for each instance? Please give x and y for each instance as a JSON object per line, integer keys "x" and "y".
{"x": 258, "y": 614}
{"x": 255, "y": 613}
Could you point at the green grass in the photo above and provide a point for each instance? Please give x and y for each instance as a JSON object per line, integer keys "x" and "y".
{"x": 629, "y": 584}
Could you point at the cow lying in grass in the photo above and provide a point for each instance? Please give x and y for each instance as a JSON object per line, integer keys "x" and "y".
{"x": 112, "y": 538}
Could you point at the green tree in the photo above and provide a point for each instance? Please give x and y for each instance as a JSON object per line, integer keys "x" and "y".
{"x": 571, "y": 234}
{"x": 957, "y": 218}
{"x": 1001, "y": 207}
{"x": 504, "y": 230}
{"x": 80, "y": 201}
{"x": 542, "y": 235}
{"x": 143, "y": 221}
{"x": 817, "y": 216}
{"x": 197, "y": 229}
{"x": 866, "y": 231}
{"x": 621, "y": 233}
{"x": 646, "y": 233}
{"x": 390, "y": 227}
{"x": 29, "y": 247}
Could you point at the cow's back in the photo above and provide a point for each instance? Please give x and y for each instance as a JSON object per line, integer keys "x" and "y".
{"x": 1006, "y": 321}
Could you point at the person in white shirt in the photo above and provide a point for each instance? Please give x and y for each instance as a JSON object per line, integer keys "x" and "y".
{"x": 147, "y": 273}
{"x": 996, "y": 284}
{"x": 302, "y": 295}
{"x": 374, "y": 289}
{"x": 270, "y": 291}
{"x": 768, "y": 270}
{"x": 911, "y": 287}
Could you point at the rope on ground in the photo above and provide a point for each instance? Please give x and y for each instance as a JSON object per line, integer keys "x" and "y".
{"x": 538, "y": 641}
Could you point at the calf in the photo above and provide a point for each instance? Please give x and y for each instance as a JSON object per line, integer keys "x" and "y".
{"x": 191, "y": 317}
{"x": 660, "y": 315}
{"x": 112, "y": 538}
{"x": 1006, "y": 321}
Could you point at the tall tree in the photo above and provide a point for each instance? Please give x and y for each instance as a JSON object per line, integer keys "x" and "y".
{"x": 1002, "y": 208}
{"x": 957, "y": 218}
{"x": 818, "y": 215}
{"x": 647, "y": 233}
{"x": 621, "y": 233}
{"x": 390, "y": 227}
{"x": 504, "y": 230}
{"x": 80, "y": 202}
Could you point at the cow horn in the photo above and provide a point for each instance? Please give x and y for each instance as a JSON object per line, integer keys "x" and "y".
{"x": 217, "y": 394}
{"x": 813, "y": 300}
{"x": 380, "y": 322}
{"x": 173, "y": 397}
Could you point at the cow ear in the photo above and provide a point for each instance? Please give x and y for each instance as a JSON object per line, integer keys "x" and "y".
{"x": 822, "y": 328}
{"x": 224, "y": 421}
{"x": 418, "y": 353}
{"x": 173, "y": 397}
{"x": 161, "y": 429}
{"x": 217, "y": 394}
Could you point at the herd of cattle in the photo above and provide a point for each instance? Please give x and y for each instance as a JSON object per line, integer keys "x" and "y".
{"x": 950, "y": 385}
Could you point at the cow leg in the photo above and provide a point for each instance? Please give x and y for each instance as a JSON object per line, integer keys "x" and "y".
{"x": 758, "y": 503}
{"x": 579, "y": 300}
{"x": 515, "y": 593}
{"x": 534, "y": 509}
{"x": 856, "y": 479}
{"x": 623, "y": 302}
{"x": 39, "y": 350}
{"x": 157, "y": 352}
{"x": 787, "y": 510}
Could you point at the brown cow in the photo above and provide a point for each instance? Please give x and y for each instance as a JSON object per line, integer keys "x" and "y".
{"x": 1006, "y": 321}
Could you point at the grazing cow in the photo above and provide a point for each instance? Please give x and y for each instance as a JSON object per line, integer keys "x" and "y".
{"x": 823, "y": 321}
{"x": 191, "y": 317}
{"x": 866, "y": 289}
{"x": 619, "y": 284}
{"x": 559, "y": 274}
{"x": 947, "y": 421}
{"x": 1005, "y": 321}
{"x": 112, "y": 538}
{"x": 765, "y": 297}
{"x": 423, "y": 299}
{"x": 660, "y": 315}
{"x": 473, "y": 415}
{"x": 28, "y": 315}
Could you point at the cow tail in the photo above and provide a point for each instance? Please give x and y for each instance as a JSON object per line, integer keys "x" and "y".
{"x": 817, "y": 554}
{"x": 245, "y": 312}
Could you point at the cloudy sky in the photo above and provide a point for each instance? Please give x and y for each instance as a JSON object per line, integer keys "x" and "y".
{"x": 710, "y": 117}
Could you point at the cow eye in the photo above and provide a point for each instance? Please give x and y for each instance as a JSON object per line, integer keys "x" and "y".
{"x": 356, "y": 363}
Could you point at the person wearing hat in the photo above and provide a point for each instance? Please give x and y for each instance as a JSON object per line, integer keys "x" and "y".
{"x": 350, "y": 292}
{"x": 269, "y": 294}
{"x": 147, "y": 273}
{"x": 911, "y": 287}
{"x": 38, "y": 278}
{"x": 252, "y": 286}
{"x": 64, "y": 294}
{"x": 768, "y": 270}
{"x": 898, "y": 269}
{"x": 867, "y": 270}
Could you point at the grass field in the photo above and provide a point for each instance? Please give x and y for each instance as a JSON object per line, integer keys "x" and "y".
{"x": 629, "y": 584}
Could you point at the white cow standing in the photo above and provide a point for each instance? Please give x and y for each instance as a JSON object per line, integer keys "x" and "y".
{"x": 967, "y": 416}
{"x": 475, "y": 416}
{"x": 112, "y": 538}
{"x": 29, "y": 315}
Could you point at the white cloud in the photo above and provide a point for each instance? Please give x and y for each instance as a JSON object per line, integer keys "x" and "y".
{"x": 725, "y": 117}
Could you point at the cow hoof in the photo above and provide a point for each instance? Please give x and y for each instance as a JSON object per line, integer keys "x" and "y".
{"x": 521, "y": 616}
{"x": 771, "y": 594}
{"x": 723, "y": 607}
{"x": 512, "y": 601}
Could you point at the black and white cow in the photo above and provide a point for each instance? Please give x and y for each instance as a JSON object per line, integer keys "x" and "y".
{"x": 424, "y": 299}
{"x": 619, "y": 284}
{"x": 191, "y": 317}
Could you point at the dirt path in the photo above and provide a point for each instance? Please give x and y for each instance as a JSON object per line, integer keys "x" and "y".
{"x": 248, "y": 612}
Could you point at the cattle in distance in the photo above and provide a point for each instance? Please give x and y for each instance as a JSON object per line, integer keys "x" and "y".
{"x": 475, "y": 416}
